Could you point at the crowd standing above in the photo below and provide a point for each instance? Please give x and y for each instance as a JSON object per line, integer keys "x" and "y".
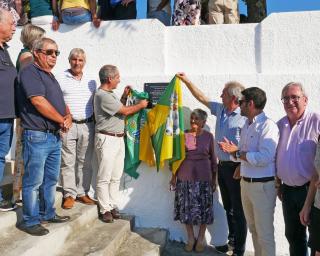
{"x": 65, "y": 120}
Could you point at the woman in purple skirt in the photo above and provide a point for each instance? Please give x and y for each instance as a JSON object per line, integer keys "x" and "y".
{"x": 195, "y": 181}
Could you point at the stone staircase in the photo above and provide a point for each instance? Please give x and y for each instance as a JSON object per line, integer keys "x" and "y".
{"x": 84, "y": 234}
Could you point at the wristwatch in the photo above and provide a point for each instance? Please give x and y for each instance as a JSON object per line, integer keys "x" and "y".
{"x": 238, "y": 154}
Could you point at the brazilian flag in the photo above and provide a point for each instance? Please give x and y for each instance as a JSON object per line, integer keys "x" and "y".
{"x": 162, "y": 136}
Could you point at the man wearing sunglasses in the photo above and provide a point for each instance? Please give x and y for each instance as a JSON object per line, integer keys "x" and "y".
{"x": 43, "y": 115}
{"x": 299, "y": 132}
{"x": 8, "y": 75}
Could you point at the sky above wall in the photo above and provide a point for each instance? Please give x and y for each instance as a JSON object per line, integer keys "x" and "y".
{"x": 272, "y": 6}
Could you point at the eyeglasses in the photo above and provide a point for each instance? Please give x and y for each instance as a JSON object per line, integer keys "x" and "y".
{"x": 293, "y": 98}
{"x": 50, "y": 52}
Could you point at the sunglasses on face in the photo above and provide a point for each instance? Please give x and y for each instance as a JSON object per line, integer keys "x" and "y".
{"x": 50, "y": 52}
{"x": 293, "y": 98}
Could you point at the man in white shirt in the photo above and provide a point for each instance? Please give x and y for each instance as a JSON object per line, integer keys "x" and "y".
{"x": 77, "y": 144}
{"x": 256, "y": 151}
{"x": 161, "y": 10}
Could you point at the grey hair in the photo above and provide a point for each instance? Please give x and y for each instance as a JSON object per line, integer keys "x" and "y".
{"x": 107, "y": 71}
{"x": 39, "y": 43}
{"x": 29, "y": 34}
{"x": 297, "y": 84}
{"x": 234, "y": 88}
{"x": 200, "y": 114}
{"x": 75, "y": 52}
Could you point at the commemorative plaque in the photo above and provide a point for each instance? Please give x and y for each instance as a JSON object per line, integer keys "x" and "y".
{"x": 155, "y": 91}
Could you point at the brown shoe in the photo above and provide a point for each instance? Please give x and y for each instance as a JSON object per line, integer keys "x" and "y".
{"x": 115, "y": 213}
{"x": 85, "y": 200}
{"x": 107, "y": 217}
{"x": 68, "y": 202}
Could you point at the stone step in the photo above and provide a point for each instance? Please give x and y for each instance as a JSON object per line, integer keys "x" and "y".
{"x": 10, "y": 219}
{"x": 144, "y": 242}
{"x": 98, "y": 239}
{"x": 16, "y": 242}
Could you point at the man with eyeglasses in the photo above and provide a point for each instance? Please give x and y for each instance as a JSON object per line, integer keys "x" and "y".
{"x": 299, "y": 132}
{"x": 43, "y": 115}
{"x": 8, "y": 75}
{"x": 257, "y": 153}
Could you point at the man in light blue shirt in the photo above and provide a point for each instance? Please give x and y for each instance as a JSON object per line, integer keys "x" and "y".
{"x": 228, "y": 125}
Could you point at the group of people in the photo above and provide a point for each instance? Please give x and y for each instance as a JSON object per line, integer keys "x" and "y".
{"x": 57, "y": 129}
{"x": 258, "y": 160}
{"x": 71, "y": 12}
{"x": 63, "y": 119}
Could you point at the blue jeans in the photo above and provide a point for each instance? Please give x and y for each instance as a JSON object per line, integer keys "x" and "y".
{"x": 41, "y": 157}
{"x": 6, "y": 132}
{"x": 162, "y": 16}
{"x": 70, "y": 19}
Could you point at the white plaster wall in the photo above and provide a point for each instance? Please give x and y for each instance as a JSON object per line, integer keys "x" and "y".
{"x": 283, "y": 48}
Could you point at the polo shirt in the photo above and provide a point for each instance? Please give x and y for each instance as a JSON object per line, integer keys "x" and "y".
{"x": 33, "y": 81}
{"x": 106, "y": 107}
{"x": 78, "y": 94}
{"x": 8, "y": 75}
{"x": 228, "y": 125}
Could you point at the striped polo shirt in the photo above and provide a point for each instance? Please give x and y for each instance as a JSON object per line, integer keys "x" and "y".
{"x": 78, "y": 94}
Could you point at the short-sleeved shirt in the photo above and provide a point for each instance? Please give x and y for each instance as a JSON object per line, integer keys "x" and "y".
{"x": 106, "y": 108}
{"x": 78, "y": 94}
{"x": 8, "y": 75}
{"x": 228, "y": 125}
{"x": 297, "y": 148}
{"x": 40, "y": 8}
{"x": 33, "y": 81}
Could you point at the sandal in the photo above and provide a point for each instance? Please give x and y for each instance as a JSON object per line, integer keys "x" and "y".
{"x": 199, "y": 247}
{"x": 189, "y": 246}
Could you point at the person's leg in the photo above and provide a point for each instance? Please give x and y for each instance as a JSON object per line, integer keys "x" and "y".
{"x": 162, "y": 16}
{"x": 84, "y": 157}
{"x": 191, "y": 239}
{"x": 248, "y": 209}
{"x": 128, "y": 12}
{"x": 224, "y": 176}
{"x": 215, "y": 14}
{"x": 34, "y": 157}
{"x": 68, "y": 162}
{"x": 51, "y": 177}
{"x": 6, "y": 132}
{"x": 264, "y": 202}
{"x": 292, "y": 203}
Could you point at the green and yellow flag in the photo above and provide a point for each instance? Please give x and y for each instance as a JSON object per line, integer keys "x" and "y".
{"x": 162, "y": 136}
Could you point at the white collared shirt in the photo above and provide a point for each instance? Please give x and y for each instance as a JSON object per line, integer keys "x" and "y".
{"x": 259, "y": 139}
{"x": 78, "y": 94}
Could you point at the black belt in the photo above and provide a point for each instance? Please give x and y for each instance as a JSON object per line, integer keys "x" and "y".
{"x": 228, "y": 163}
{"x": 112, "y": 134}
{"x": 296, "y": 187}
{"x": 83, "y": 121}
{"x": 55, "y": 132}
{"x": 264, "y": 179}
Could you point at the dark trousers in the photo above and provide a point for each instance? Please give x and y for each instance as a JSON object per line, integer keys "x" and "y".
{"x": 118, "y": 12}
{"x": 231, "y": 198}
{"x": 293, "y": 199}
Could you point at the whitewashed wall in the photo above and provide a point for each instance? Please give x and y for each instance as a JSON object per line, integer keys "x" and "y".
{"x": 283, "y": 48}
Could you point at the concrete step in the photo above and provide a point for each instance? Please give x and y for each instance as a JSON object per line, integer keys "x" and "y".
{"x": 16, "y": 242}
{"x": 8, "y": 173}
{"x": 9, "y": 220}
{"x": 144, "y": 242}
{"x": 98, "y": 239}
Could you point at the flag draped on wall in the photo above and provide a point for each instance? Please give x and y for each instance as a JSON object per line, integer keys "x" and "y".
{"x": 162, "y": 136}
{"x": 133, "y": 124}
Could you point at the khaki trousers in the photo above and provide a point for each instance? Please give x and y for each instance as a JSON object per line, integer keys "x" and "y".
{"x": 110, "y": 152}
{"x": 259, "y": 201}
{"x": 223, "y": 12}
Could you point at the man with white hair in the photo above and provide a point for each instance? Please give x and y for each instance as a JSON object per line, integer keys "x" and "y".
{"x": 8, "y": 75}
{"x": 299, "y": 132}
{"x": 77, "y": 144}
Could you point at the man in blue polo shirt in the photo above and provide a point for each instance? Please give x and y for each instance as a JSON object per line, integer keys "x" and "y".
{"x": 8, "y": 75}
{"x": 43, "y": 115}
{"x": 228, "y": 125}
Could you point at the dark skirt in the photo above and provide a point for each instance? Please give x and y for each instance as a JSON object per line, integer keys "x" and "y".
{"x": 193, "y": 202}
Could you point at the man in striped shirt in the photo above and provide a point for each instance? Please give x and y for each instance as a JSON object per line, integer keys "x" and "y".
{"x": 78, "y": 89}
